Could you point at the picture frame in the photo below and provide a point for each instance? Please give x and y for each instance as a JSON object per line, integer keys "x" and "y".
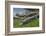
{"x": 9, "y": 5}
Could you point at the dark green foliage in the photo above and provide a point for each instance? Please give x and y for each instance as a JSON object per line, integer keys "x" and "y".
{"x": 31, "y": 23}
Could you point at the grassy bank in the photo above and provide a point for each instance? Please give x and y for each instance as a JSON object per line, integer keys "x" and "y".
{"x": 31, "y": 23}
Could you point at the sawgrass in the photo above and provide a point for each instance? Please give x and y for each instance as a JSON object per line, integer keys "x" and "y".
{"x": 31, "y": 23}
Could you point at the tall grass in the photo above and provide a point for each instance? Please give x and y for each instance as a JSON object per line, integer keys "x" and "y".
{"x": 31, "y": 23}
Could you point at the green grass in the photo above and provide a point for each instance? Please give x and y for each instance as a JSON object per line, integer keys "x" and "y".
{"x": 31, "y": 23}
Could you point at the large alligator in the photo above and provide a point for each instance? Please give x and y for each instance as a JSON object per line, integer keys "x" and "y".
{"x": 23, "y": 20}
